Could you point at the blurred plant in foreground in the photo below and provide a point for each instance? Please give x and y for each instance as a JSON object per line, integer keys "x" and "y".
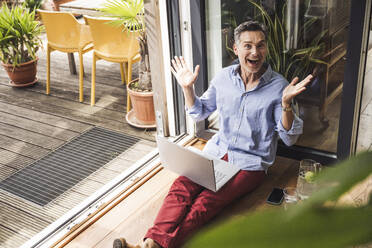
{"x": 316, "y": 222}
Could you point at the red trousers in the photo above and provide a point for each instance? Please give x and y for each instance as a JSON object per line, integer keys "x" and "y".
{"x": 188, "y": 206}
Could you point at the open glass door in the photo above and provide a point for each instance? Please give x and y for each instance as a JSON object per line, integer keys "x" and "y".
{"x": 315, "y": 40}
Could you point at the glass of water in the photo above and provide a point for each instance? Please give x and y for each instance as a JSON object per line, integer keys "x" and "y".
{"x": 305, "y": 182}
{"x": 290, "y": 197}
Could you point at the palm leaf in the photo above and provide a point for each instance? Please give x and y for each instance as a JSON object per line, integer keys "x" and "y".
{"x": 318, "y": 61}
{"x": 289, "y": 67}
{"x": 127, "y": 12}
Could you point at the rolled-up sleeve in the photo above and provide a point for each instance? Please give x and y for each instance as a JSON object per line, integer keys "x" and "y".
{"x": 289, "y": 137}
{"x": 204, "y": 105}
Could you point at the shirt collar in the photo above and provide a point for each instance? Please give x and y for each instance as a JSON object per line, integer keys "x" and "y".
{"x": 266, "y": 76}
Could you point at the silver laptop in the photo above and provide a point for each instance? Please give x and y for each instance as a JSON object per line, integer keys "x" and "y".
{"x": 211, "y": 173}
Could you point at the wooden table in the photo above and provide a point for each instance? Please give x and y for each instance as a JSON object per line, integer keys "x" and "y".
{"x": 81, "y": 7}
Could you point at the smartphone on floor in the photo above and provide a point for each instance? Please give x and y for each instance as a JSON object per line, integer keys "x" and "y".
{"x": 275, "y": 197}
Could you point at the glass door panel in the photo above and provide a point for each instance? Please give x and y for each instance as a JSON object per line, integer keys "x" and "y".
{"x": 364, "y": 140}
{"x": 314, "y": 41}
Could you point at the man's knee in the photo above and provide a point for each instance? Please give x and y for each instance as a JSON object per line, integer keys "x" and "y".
{"x": 183, "y": 184}
{"x": 183, "y": 190}
{"x": 203, "y": 209}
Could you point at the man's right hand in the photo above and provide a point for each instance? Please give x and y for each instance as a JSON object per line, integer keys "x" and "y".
{"x": 184, "y": 75}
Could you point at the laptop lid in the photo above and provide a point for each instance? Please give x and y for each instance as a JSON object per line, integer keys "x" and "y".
{"x": 186, "y": 163}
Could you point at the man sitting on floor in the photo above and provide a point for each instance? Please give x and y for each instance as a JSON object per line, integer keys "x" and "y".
{"x": 254, "y": 106}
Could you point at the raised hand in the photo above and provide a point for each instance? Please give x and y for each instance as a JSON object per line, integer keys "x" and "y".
{"x": 184, "y": 75}
{"x": 294, "y": 88}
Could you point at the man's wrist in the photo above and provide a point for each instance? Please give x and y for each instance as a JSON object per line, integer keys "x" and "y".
{"x": 286, "y": 107}
{"x": 188, "y": 89}
{"x": 286, "y": 104}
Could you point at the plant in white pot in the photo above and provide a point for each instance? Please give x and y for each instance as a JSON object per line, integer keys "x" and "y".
{"x": 19, "y": 42}
{"x": 130, "y": 15}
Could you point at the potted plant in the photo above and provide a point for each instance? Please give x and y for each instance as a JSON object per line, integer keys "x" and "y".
{"x": 130, "y": 15}
{"x": 19, "y": 42}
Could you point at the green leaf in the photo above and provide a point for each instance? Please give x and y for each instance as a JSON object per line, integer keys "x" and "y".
{"x": 317, "y": 227}
{"x": 337, "y": 180}
{"x": 318, "y": 61}
{"x": 308, "y": 224}
{"x": 32, "y": 5}
{"x": 129, "y": 13}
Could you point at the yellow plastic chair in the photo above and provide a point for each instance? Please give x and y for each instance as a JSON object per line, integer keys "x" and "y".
{"x": 66, "y": 34}
{"x": 113, "y": 44}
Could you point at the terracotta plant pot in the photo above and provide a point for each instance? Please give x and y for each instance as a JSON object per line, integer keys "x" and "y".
{"x": 23, "y": 74}
{"x": 143, "y": 108}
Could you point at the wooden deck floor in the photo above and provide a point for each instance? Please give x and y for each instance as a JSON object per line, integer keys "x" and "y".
{"x": 32, "y": 124}
{"x": 135, "y": 214}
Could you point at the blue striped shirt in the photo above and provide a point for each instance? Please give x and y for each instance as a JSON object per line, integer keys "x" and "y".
{"x": 250, "y": 121}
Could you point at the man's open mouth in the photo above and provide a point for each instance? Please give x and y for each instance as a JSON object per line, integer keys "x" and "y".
{"x": 253, "y": 62}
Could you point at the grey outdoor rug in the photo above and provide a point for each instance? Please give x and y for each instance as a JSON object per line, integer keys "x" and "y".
{"x": 49, "y": 177}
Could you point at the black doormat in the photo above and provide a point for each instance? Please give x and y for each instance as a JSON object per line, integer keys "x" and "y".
{"x": 47, "y": 178}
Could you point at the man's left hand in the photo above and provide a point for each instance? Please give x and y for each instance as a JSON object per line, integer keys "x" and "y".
{"x": 294, "y": 88}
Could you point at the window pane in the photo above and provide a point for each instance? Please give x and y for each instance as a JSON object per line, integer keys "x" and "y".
{"x": 364, "y": 141}
{"x": 304, "y": 37}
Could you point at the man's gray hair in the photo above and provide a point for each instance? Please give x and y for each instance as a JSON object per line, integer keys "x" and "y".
{"x": 249, "y": 26}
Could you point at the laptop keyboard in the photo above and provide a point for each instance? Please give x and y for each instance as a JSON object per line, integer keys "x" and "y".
{"x": 219, "y": 176}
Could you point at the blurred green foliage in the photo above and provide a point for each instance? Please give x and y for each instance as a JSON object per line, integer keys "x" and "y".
{"x": 315, "y": 222}
{"x": 32, "y": 5}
